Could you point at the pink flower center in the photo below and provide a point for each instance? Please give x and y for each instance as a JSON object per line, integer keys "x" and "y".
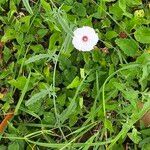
{"x": 85, "y": 38}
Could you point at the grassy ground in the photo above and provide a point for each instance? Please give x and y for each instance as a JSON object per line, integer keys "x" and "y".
{"x": 53, "y": 96}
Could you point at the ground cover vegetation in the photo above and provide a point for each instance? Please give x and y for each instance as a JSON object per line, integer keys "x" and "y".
{"x": 53, "y": 96}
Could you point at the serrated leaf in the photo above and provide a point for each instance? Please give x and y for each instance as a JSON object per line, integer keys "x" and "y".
{"x": 142, "y": 35}
{"x": 129, "y": 47}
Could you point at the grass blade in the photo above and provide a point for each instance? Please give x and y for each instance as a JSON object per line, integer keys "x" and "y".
{"x": 27, "y": 6}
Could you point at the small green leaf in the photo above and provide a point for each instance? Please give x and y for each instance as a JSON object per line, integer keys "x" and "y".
{"x": 42, "y": 32}
{"x": 46, "y": 6}
{"x": 111, "y": 34}
{"x": 18, "y": 83}
{"x": 82, "y": 73}
{"x": 142, "y": 35}
{"x": 10, "y": 34}
{"x": 81, "y": 102}
{"x": 109, "y": 125}
{"x": 134, "y": 136}
{"x": 129, "y": 47}
{"x": 75, "y": 83}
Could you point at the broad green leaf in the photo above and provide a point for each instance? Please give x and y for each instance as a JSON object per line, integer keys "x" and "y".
{"x": 144, "y": 58}
{"x": 145, "y": 144}
{"x": 142, "y": 35}
{"x": 13, "y": 146}
{"x": 111, "y": 34}
{"x": 70, "y": 110}
{"x": 24, "y": 90}
{"x": 61, "y": 99}
{"x": 66, "y": 8}
{"x": 49, "y": 118}
{"x": 36, "y": 107}
{"x": 132, "y": 96}
{"x": 129, "y": 47}
{"x": 72, "y": 120}
{"x": 116, "y": 11}
{"x": 27, "y": 6}
{"x": 38, "y": 48}
{"x": 36, "y": 58}
{"x": 79, "y": 9}
{"x": 30, "y": 112}
{"x": 37, "y": 97}
{"x": 122, "y": 4}
{"x": 2, "y": 147}
{"x": 25, "y": 24}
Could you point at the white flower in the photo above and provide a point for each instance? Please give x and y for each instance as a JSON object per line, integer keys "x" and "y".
{"x": 85, "y": 38}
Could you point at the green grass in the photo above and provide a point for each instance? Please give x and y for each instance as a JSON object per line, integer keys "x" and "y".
{"x": 63, "y": 98}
